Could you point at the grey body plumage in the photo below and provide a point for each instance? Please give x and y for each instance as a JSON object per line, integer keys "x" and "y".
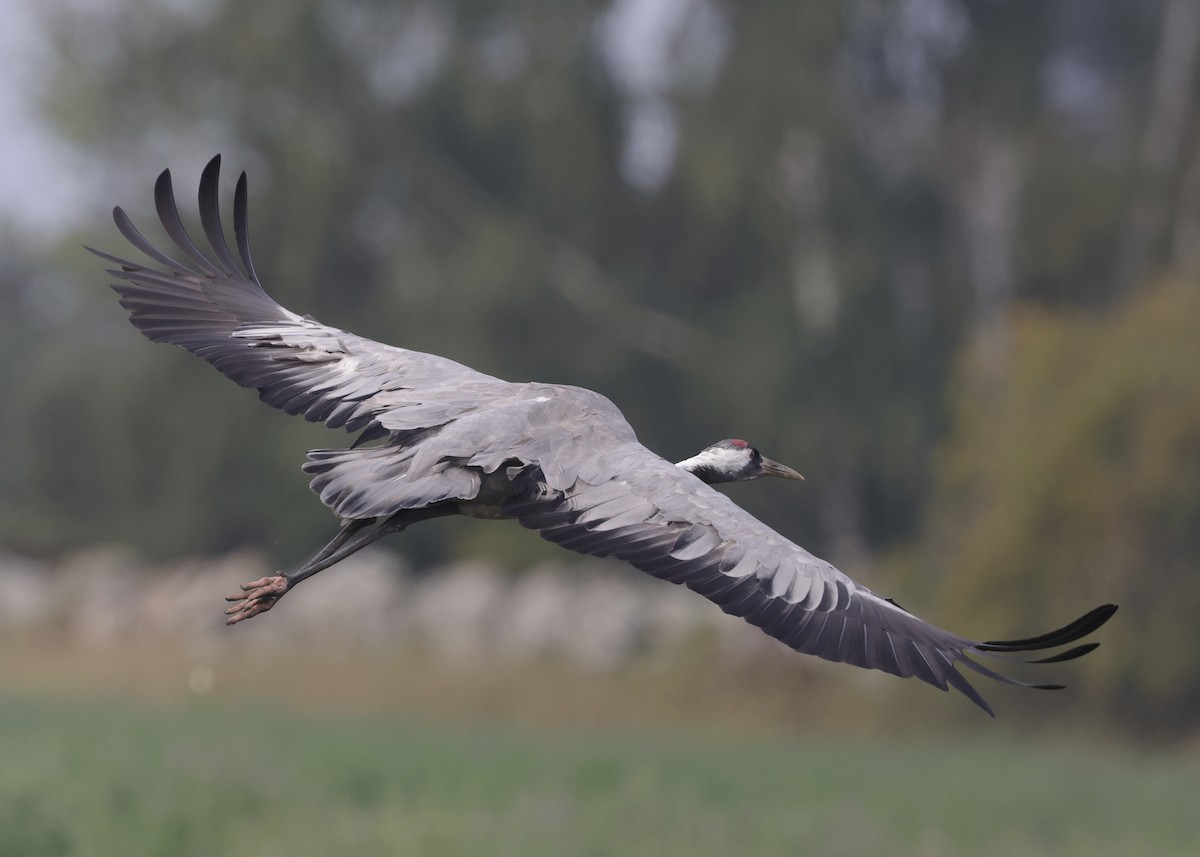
{"x": 439, "y": 438}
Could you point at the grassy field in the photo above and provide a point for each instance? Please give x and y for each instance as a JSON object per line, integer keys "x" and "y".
{"x": 212, "y": 777}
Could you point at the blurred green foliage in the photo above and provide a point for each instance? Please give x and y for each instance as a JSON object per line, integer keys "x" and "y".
{"x": 1073, "y": 479}
{"x": 900, "y": 246}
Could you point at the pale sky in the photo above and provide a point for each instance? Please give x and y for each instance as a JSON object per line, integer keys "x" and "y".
{"x": 41, "y": 183}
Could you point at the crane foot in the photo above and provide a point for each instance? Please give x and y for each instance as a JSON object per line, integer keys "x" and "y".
{"x": 257, "y": 596}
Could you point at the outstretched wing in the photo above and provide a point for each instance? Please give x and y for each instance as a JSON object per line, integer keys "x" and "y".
{"x": 665, "y": 521}
{"x": 219, "y": 311}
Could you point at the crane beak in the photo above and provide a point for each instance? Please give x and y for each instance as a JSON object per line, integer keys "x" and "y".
{"x": 774, "y": 468}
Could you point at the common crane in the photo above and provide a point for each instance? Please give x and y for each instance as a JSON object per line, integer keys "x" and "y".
{"x": 557, "y": 459}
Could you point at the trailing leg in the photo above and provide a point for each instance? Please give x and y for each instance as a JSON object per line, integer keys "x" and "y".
{"x": 260, "y": 595}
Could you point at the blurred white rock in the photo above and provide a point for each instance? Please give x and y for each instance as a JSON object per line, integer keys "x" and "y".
{"x": 359, "y": 601}
{"x": 674, "y": 612}
{"x": 454, "y": 609}
{"x": 98, "y": 592}
{"x": 536, "y": 617}
{"x": 26, "y": 600}
{"x": 187, "y": 599}
{"x": 607, "y": 622}
{"x": 595, "y": 613}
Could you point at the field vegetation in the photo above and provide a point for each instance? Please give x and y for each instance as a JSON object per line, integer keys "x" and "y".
{"x": 153, "y": 752}
{"x": 90, "y": 777}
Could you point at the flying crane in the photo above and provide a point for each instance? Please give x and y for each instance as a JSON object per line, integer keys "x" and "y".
{"x": 437, "y": 438}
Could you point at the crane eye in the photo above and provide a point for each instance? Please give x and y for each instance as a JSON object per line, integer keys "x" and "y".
{"x": 755, "y": 455}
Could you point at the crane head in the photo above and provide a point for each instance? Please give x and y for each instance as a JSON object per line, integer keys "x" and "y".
{"x": 734, "y": 460}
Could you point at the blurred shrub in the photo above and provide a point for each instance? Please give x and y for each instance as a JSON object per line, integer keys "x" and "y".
{"x": 1071, "y": 477}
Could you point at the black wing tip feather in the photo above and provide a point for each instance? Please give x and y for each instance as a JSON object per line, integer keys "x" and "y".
{"x": 1069, "y": 633}
{"x": 197, "y": 261}
{"x": 209, "y": 203}
{"x": 164, "y": 190}
{"x": 209, "y": 177}
{"x": 180, "y": 285}
{"x": 1069, "y": 655}
{"x": 241, "y": 224}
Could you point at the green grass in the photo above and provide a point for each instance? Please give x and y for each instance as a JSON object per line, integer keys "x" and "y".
{"x": 92, "y": 778}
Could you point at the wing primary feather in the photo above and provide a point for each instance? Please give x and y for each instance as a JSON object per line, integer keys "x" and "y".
{"x": 1081, "y": 627}
{"x": 241, "y": 225}
{"x": 769, "y": 614}
{"x": 900, "y": 656}
{"x": 954, "y": 678}
{"x": 930, "y": 674}
{"x": 133, "y": 236}
{"x": 210, "y": 213}
{"x": 803, "y": 634}
{"x": 1003, "y": 679}
{"x": 168, "y": 213}
{"x": 1069, "y": 655}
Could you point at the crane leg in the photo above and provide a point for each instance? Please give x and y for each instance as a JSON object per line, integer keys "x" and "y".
{"x": 259, "y": 596}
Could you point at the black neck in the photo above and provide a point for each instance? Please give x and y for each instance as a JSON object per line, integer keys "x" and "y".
{"x": 708, "y": 475}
